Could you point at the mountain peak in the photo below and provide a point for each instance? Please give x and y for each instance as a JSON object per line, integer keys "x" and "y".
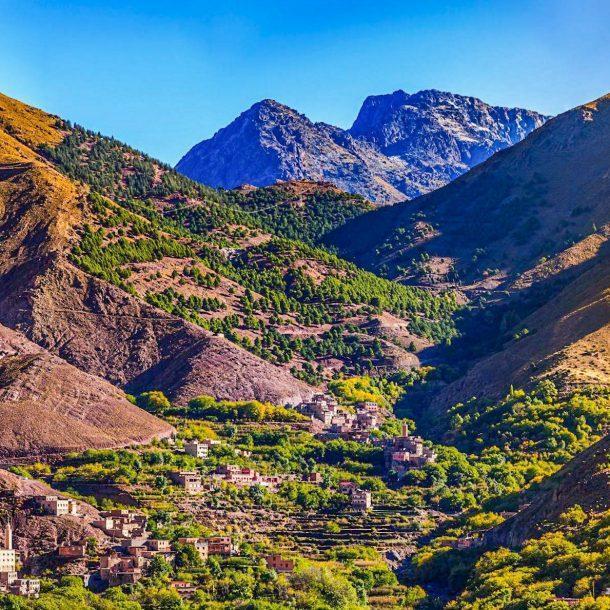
{"x": 270, "y": 104}
{"x": 400, "y": 146}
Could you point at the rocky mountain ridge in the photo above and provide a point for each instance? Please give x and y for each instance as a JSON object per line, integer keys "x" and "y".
{"x": 399, "y": 147}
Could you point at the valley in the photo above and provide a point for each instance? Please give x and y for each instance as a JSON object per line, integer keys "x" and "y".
{"x": 285, "y": 396}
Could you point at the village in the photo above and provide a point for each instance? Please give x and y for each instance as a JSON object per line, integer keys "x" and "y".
{"x": 129, "y": 550}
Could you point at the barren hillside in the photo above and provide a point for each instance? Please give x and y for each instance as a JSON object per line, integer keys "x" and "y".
{"x": 48, "y": 406}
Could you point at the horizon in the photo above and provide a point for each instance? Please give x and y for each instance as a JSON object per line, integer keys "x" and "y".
{"x": 162, "y": 78}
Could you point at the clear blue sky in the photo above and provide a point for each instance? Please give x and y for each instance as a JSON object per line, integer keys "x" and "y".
{"x": 164, "y": 75}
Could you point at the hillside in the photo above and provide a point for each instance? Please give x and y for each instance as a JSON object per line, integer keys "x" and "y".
{"x": 526, "y": 203}
{"x": 158, "y": 282}
{"x": 94, "y": 325}
{"x": 584, "y": 481}
{"x": 299, "y": 209}
{"x": 80, "y": 410}
{"x": 525, "y": 236}
{"x": 399, "y": 147}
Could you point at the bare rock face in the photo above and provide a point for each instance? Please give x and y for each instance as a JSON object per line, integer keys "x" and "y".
{"x": 48, "y": 406}
{"x": 399, "y": 147}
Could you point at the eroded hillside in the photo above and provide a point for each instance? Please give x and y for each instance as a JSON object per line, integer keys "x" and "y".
{"x": 48, "y": 406}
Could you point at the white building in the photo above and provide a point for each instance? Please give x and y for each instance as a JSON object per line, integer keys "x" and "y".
{"x": 8, "y": 555}
{"x": 196, "y": 449}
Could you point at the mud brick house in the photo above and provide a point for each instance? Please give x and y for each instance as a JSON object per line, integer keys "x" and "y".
{"x": 117, "y": 570}
{"x": 404, "y": 452}
{"x": 186, "y": 590}
{"x": 54, "y": 505}
{"x": 190, "y": 481}
{"x": 200, "y": 544}
{"x": 221, "y": 545}
{"x": 197, "y": 449}
{"x": 315, "y": 478}
{"x": 279, "y": 564}
{"x": 73, "y": 551}
{"x": 361, "y": 499}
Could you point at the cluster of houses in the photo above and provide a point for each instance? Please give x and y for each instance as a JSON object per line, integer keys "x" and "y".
{"x": 124, "y": 561}
{"x": 401, "y": 453}
{"x": 193, "y": 483}
{"x": 246, "y": 477}
{"x": 54, "y": 505}
{"x": 133, "y": 550}
{"x": 199, "y": 449}
{"x": 332, "y": 421}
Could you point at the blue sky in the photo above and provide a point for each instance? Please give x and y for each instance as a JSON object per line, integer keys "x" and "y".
{"x": 164, "y": 75}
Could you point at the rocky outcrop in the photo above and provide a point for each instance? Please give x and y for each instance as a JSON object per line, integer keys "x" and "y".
{"x": 399, "y": 147}
{"x": 37, "y": 536}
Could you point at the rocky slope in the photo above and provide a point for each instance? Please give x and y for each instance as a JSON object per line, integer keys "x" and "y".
{"x": 236, "y": 263}
{"x": 37, "y": 536}
{"x": 90, "y": 323}
{"x": 534, "y": 199}
{"x": 48, "y": 406}
{"x": 399, "y": 147}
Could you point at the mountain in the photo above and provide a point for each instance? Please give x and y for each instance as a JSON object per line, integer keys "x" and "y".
{"x": 94, "y": 325}
{"x": 271, "y": 142}
{"x": 135, "y": 274}
{"x": 48, "y": 406}
{"x": 400, "y": 146}
{"x": 527, "y": 229}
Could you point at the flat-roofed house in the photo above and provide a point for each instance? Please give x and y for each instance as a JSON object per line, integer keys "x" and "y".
{"x": 197, "y": 449}
{"x": 54, "y": 505}
{"x": 279, "y": 564}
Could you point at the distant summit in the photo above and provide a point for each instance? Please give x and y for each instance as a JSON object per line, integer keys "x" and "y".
{"x": 400, "y": 146}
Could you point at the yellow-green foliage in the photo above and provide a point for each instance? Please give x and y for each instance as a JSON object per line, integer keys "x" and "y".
{"x": 352, "y": 390}
{"x": 538, "y": 424}
{"x": 241, "y": 410}
{"x": 569, "y": 563}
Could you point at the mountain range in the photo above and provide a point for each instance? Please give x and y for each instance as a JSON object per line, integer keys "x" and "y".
{"x": 481, "y": 308}
{"x": 400, "y": 146}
